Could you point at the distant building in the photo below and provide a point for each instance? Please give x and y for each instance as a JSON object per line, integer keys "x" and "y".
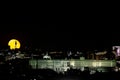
{"x": 64, "y": 65}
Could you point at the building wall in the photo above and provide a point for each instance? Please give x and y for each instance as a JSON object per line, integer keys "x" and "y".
{"x": 63, "y": 65}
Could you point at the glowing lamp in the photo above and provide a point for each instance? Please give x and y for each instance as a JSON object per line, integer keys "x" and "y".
{"x": 14, "y": 44}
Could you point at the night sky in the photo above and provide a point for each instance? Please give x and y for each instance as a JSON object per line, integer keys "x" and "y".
{"x": 80, "y": 35}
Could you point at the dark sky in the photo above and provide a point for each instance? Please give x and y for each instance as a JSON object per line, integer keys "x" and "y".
{"x": 85, "y": 33}
{"x": 56, "y": 36}
{"x": 88, "y": 26}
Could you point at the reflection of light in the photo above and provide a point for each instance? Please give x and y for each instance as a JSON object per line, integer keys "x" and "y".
{"x": 14, "y": 44}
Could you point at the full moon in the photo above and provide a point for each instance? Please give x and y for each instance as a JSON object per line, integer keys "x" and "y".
{"x": 14, "y": 44}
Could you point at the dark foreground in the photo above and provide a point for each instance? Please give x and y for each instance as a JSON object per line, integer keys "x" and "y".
{"x": 47, "y": 74}
{"x": 21, "y": 70}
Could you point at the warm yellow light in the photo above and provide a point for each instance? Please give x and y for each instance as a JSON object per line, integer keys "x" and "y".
{"x": 14, "y": 44}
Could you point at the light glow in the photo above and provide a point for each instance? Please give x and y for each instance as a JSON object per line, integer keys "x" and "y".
{"x": 96, "y": 64}
{"x": 14, "y": 44}
{"x": 72, "y": 63}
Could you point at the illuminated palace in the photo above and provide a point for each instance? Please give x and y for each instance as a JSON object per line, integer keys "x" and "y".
{"x": 62, "y": 65}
